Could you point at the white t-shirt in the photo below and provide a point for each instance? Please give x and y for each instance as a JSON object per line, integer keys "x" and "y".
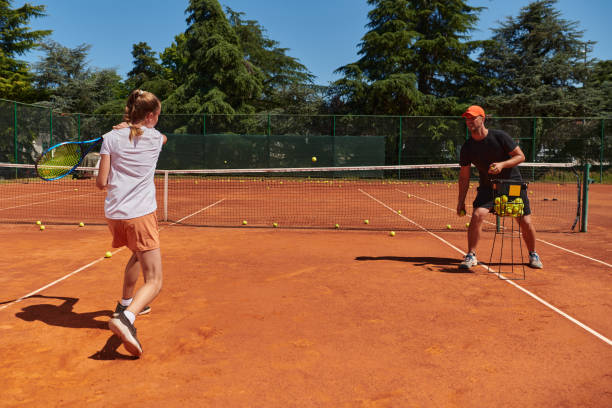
{"x": 131, "y": 187}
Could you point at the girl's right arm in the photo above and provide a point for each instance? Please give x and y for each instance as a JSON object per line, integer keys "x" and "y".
{"x": 102, "y": 178}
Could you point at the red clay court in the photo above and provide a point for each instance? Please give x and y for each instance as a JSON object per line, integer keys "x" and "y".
{"x": 277, "y": 317}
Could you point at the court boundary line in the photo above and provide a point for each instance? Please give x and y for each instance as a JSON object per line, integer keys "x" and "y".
{"x": 516, "y": 285}
{"x": 82, "y": 268}
{"x": 537, "y": 239}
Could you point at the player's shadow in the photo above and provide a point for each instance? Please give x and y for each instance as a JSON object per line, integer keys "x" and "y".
{"x": 446, "y": 265}
{"x": 109, "y": 351}
{"x": 62, "y": 315}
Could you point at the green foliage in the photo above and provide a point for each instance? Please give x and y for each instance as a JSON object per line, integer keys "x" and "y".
{"x": 146, "y": 67}
{"x": 414, "y": 54}
{"x": 536, "y": 64}
{"x": 216, "y": 78}
{"x": 16, "y": 39}
{"x": 70, "y": 85}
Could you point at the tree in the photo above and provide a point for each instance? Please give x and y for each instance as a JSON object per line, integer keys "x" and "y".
{"x": 414, "y": 59}
{"x": 216, "y": 78}
{"x": 283, "y": 76}
{"x": 536, "y": 65}
{"x": 600, "y": 78}
{"x": 70, "y": 85}
{"x": 16, "y": 39}
{"x": 146, "y": 66}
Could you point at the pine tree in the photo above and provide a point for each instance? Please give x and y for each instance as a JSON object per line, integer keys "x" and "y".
{"x": 536, "y": 65}
{"x": 216, "y": 76}
{"x": 414, "y": 55}
{"x": 145, "y": 64}
{"x": 16, "y": 39}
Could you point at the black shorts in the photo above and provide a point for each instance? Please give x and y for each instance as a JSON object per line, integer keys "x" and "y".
{"x": 485, "y": 198}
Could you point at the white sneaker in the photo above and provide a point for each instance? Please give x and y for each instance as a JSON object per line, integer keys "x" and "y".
{"x": 534, "y": 261}
{"x": 469, "y": 261}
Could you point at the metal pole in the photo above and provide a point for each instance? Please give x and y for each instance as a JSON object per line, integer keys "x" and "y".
{"x": 50, "y": 127}
{"x": 601, "y": 150}
{"x": 399, "y": 148}
{"x": 585, "y": 196}
{"x": 15, "y": 134}
{"x": 334, "y": 140}
{"x": 268, "y": 139}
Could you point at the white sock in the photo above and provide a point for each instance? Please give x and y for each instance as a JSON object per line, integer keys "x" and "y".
{"x": 126, "y": 302}
{"x": 130, "y": 316}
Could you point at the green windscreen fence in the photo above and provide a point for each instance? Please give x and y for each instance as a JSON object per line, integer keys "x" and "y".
{"x": 205, "y": 141}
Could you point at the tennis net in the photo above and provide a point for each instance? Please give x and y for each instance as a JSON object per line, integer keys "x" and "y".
{"x": 410, "y": 197}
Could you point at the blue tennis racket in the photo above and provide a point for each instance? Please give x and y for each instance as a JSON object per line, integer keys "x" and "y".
{"x": 62, "y": 159}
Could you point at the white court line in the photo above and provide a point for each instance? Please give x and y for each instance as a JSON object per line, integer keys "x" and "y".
{"x": 46, "y": 202}
{"x": 82, "y": 268}
{"x": 537, "y": 239}
{"x": 516, "y": 285}
{"x": 35, "y": 194}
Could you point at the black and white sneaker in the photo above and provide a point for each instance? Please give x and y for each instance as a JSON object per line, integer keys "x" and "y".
{"x": 469, "y": 261}
{"x": 126, "y": 331}
{"x": 120, "y": 308}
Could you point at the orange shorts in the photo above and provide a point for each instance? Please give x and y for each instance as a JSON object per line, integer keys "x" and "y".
{"x": 138, "y": 234}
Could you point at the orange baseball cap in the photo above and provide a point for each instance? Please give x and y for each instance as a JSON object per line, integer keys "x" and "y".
{"x": 473, "y": 111}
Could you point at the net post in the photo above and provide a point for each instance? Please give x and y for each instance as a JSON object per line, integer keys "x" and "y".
{"x": 585, "y": 196}
{"x": 601, "y": 150}
{"x": 166, "y": 195}
{"x": 333, "y": 140}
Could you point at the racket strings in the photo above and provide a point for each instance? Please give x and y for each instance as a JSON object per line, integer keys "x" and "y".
{"x": 59, "y": 161}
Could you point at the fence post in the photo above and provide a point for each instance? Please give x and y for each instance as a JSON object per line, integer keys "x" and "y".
{"x": 399, "y": 149}
{"x": 50, "y": 127}
{"x": 333, "y": 140}
{"x": 601, "y": 150}
{"x": 268, "y": 140}
{"x": 15, "y": 133}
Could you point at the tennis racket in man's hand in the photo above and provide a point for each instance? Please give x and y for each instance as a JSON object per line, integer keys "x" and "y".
{"x": 62, "y": 159}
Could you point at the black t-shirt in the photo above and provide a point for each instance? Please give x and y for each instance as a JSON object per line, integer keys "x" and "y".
{"x": 494, "y": 148}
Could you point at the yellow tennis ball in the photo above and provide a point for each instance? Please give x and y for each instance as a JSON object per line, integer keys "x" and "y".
{"x": 336, "y": 226}
{"x": 314, "y": 159}
{"x": 399, "y": 211}
{"x": 467, "y": 224}
{"x": 38, "y": 223}
{"x": 42, "y": 227}
{"x": 108, "y": 254}
{"x": 497, "y": 200}
{"x": 81, "y": 224}
{"x": 504, "y": 199}
{"x": 366, "y": 221}
{"x": 448, "y": 226}
{"x": 275, "y": 225}
{"x": 392, "y": 233}
{"x": 244, "y": 222}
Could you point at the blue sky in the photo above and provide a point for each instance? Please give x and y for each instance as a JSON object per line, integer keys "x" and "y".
{"x": 322, "y": 34}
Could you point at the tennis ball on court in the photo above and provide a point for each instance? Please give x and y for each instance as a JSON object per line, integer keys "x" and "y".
{"x": 392, "y": 233}
{"x": 42, "y": 227}
{"x": 467, "y": 224}
{"x": 81, "y": 224}
{"x": 244, "y": 222}
{"x": 38, "y": 223}
{"x": 314, "y": 159}
{"x": 108, "y": 254}
{"x": 399, "y": 211}
{"x": 336, "y": 226}
{"x": 462, "y": 213}
{"x": 504, "y": 199}
{"x": 275, "y": 225}
{"x": 448, "y": 226}
{"x": 76, "y": 189}
{"x": 366, "y": 221}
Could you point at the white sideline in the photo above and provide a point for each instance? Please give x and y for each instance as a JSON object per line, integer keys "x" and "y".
{"x": 92, "y": 263}
{"x": 516, "y": 285}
